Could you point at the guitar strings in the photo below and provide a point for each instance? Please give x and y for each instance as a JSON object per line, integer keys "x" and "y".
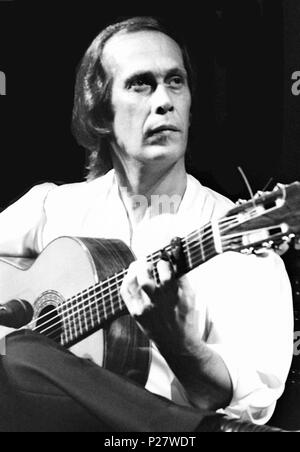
{"x": 201, "y": 233}
{"x": 111, "y": 290}
{"x": 150, "y": 258}
{"x": 82, "y": 306}
{"x": 75, "y": 314}
{"x": 90, "y": 322}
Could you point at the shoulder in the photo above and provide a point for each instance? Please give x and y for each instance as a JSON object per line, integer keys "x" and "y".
{"x": 33, "y": 197}
{"x": 210, "y": 202}
{"x": 81, "y": 192}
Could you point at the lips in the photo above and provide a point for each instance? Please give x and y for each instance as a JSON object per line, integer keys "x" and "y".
{"x": 161, "y": 128}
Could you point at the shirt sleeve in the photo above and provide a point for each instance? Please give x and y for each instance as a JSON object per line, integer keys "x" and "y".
{"x": 251, "y": 328}
{"x": 21, "y": 224}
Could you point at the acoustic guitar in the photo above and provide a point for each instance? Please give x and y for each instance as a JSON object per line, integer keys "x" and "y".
{"x": 74, "y": 284}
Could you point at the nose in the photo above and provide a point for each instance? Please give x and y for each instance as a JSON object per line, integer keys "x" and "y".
{"x": 162, "y": 101}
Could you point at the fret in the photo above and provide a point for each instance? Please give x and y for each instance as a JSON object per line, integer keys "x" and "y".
{"x": 118, "y": 303}
{"x": 104, "y": 304}
{"x": 96, "y": 305}
{"x": 111, "y": 295}
{"x": 85, "y": 319}
{"x": 79, "y": 303}
{"x": 201, "y": 246}
{"x": 70, "y": 313}
{"x": 63, "y": 336}
{"x": 189, "y": 257}
{"x": 217, "y": 237}
{"x": 66, "y": 322}
{"x": 75, "y": 318}
{"x": 91, "y": 312}
{"x": 152, "y": 260}
{"x": 207, "y": 241}
{"x": 120, "y": 300}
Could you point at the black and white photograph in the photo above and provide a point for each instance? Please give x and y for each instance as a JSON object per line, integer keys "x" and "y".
{"x": 150, "y": 219}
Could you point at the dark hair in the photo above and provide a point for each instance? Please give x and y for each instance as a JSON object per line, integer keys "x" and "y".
{"x": 92, "y": 111}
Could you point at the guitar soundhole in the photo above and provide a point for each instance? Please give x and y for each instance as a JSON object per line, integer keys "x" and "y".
{"x": 49, "y": 323}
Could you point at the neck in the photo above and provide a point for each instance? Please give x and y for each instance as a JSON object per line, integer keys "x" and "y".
{"x": 142, "y": 187}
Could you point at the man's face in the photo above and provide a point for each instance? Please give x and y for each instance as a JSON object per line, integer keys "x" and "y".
{"x": 150, "y": 97}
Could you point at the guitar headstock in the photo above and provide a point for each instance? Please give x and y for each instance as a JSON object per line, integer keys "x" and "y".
{"x": 263, "y": 222}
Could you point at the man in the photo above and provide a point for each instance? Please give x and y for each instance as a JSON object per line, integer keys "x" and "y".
{"x": 222, "y": 335}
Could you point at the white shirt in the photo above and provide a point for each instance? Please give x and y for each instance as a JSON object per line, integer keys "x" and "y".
{"x": 244, "y": 302}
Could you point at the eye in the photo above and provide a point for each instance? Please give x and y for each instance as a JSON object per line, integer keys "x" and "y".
{"x": 176, "y": 81}
{"x": 140, "y": 84}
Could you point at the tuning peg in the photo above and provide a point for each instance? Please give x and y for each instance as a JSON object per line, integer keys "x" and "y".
{"x": 263, "y": 251}
{"x": 279, "y": 186}
{"x": 268, "y": 245}
{"x": 247, "y": 251}
{"x": 288, "y": 238}
{"x": 281, "y": 248}
{"x": 259, "y": 193}
{"x": 239, "y": 202}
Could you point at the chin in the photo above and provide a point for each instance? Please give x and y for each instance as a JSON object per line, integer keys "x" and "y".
{"x": 164, "y": 153}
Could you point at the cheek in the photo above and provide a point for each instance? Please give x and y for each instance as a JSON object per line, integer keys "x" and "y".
{"x": 188, "y": 103}
{"x": 184, "y": 107}
{"x": 129, "y": 116}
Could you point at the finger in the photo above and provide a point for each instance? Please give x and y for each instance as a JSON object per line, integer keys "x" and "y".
{"x": 135, "y": 298}
{"x": 131, "y": 292}
{"x": 145, "y": 277}
{"x": 165, "y": 272}
{"x": 186, "y": 294}
{"x": 130, "y": 282}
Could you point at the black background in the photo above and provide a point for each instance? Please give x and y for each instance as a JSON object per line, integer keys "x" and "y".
{"x": 239, "y": 48}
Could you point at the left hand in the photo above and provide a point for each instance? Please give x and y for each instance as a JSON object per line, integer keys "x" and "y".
{"x": 165, "y": 311}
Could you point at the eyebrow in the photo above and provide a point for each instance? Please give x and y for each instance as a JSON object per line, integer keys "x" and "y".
{"x": 151, "y": 74}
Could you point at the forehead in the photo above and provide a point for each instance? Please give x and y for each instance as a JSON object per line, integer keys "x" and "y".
{"x": 126, "y": 53}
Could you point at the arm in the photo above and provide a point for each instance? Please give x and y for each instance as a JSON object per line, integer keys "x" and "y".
{"x": 246, "y": 302}
{"x": 169, "y": 317}
{"x": 22, "y": 222}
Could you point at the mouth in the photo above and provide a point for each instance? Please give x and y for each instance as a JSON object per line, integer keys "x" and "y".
{"x": 163, "y": 129}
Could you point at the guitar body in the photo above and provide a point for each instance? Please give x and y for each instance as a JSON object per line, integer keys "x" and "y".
{"x": 68, "y": 266}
